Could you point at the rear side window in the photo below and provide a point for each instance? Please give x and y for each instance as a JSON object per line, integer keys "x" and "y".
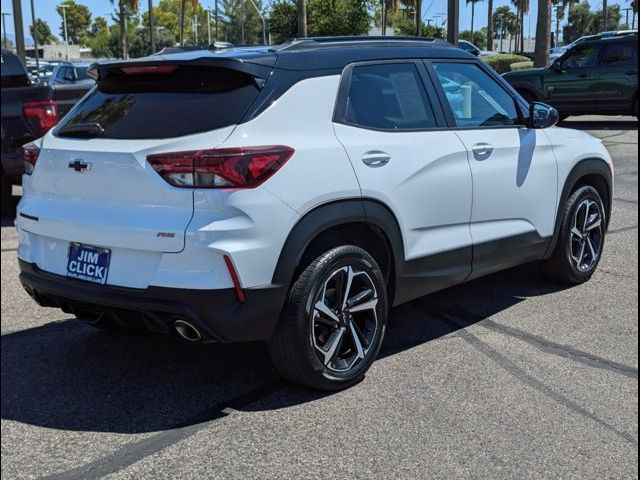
{"x": 620, "y": 54}
{"x": 476, "y": 99}
{"x": 170, "y": 101}
{"x": 13, "y": 72}
{"x": 388, "y": 96}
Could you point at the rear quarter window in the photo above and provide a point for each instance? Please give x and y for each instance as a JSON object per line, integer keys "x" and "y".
{"x": 184, "y": 101}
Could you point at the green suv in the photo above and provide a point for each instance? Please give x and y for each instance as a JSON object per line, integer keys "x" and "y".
{"x": 594, "y": 77}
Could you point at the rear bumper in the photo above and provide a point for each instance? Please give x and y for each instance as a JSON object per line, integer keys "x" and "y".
{"x": 217, "y": 313}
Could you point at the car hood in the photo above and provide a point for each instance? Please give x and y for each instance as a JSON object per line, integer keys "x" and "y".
{"x": 529, "y": 72}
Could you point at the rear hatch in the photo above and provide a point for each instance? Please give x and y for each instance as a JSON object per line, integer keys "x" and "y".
{"x": 92, "y": 183}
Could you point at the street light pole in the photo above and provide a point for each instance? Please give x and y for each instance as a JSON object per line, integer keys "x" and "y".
{"x": 18, "y": 29}
{"x": 35, "y": 38}
{"x": 64, "y": 21}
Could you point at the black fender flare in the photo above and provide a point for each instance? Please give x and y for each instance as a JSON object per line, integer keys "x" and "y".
{"x": 589, "y": 166}
{"x": 335, "y": 213}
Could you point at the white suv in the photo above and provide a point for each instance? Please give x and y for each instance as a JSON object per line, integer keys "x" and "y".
{"x": 295, "y": 194}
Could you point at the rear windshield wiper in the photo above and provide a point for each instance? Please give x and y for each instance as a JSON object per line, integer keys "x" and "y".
{"x": 86, "y": 129}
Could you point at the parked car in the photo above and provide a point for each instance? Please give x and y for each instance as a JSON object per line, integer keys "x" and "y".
{"x": 557, "y": 52}
{"x": 70, "y": 73}
{"x": 473, "y": 50}
{"x": 596, "y": 76}
{"x": 187, "y": 193}
{"x": 28, "y": 111}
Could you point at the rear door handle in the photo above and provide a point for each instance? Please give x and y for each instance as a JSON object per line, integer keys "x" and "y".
{"x": 482, "y": 149}
{"x": 376, "y": 158}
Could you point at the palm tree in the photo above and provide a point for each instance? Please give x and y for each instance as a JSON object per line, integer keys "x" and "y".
{"x": 125, "y": 9}
{"x": 522, "y": 7}
{"x": 302, "y": 17}
{"x": 473, "y": 14}
{"x": 490, "y": 26}
{"x": 183, "y": 6}
{"x": 543, "y": 34}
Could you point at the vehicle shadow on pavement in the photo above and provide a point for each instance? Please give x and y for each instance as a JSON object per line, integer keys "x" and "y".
{"x": 66, "y": 375}
{"x": 577, "y": 123}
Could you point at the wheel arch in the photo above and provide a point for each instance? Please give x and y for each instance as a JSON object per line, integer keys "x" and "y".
{"x": 590, "y": 171}
{"x": 363, "y": 222}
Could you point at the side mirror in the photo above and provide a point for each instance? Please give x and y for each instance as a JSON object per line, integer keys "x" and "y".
{"x": 557, "y": 66}
{"x": 542, "y": 115}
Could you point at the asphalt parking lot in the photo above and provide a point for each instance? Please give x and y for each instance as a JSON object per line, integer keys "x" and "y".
{"x": 509, "y": 376}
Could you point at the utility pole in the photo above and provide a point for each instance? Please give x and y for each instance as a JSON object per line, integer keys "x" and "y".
{"x": 35, "y": 38}
{"x": 418, "y": 18}
{"x": 605, "y": 14}
{"x": 64, "y": 7}
{"x": 501, "y": 17}
{"x": 627, "y": 10}
{"x": 4, "y": 30}
{"x": 383, "y": 13}
{"x": 19, "y": 29}
{"x": 152, "y": 28}
{"x": 453, "y": 22}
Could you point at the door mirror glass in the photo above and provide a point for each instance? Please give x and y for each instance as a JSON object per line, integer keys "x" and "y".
{"x": 542, "y": 115}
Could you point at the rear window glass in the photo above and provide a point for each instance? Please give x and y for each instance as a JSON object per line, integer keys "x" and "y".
{"x": 183, "y": 101}
{"x": 13, "y": 72}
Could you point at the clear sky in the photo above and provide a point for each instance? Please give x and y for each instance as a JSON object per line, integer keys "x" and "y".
{"x": 45, "y": 9}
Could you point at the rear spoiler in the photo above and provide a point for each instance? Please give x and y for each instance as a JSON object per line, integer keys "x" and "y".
{"x": 256, "y": 64}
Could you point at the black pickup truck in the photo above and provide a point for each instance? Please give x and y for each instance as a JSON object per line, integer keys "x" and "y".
{"x": 28, "y": 112}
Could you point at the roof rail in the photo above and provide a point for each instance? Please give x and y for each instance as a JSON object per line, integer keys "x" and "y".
{"x": 310, "y": 43}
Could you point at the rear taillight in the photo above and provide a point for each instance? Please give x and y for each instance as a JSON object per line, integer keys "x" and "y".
{"x": 244, "y": 167}
{"x": 40, "y": 116}
{"x": 30, "y": 153}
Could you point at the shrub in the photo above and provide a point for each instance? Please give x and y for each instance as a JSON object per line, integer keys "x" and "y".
{"x": 502, "y": 63}
{"x": 521, "y": 66}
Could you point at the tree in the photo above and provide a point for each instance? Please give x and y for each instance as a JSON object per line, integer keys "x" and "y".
{"x": 522, "y": 7}
{"x": 614, "y": 17}
{"x": 183, "y": 11}
{"x": 41, "y": 32}
{"x": 337, "y": 17}
{"x": 479, "y": 39}
{"x": 490, "y": 25}
{"x": 543, "y": 34}
{"x": 580, "y": 22}
{"x": 99, "y": 25}
{"x": 301, "y": 10}
{"x": 126, "y": 9}
{"x": 473, "y": 12}
{"x": 8, "y": 44}
{"x": 78, "y": 21}
{"x": 504, "y": 21}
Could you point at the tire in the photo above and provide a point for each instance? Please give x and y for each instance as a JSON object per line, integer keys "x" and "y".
{"x": 563, "y": 265}
{"x": 301, "y": 347}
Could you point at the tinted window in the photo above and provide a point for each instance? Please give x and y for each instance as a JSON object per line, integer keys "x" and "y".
{"x": 620, "y": 54}
{"x": 187, "y": 100}
{"x": 13, "y": 72}
{"x": 389, "y": 96}
{"x": 584, "y": 56}
{"x": 81, "y": 73}
{"x": 475, "y": 98}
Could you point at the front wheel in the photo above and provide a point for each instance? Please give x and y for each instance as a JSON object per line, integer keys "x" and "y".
{"x": 333, "y": 323}
{"x": 581, "y": 238}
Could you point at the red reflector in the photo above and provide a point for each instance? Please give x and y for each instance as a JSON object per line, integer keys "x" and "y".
{"x": 30, "y": 153}
{"x": 244, "y": 167}
{"x": 236, "y": 279}
{"x": 148, "y": 69}
{"x": 40, "y": 116}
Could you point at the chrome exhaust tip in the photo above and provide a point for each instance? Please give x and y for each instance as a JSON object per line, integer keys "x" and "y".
{"x": 187, "y": 331}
